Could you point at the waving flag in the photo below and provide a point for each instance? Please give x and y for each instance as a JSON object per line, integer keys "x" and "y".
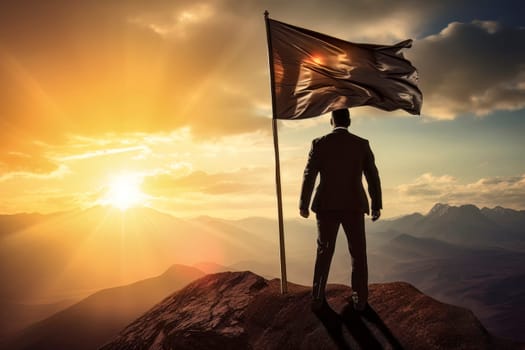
{"x": 313, "y": 74}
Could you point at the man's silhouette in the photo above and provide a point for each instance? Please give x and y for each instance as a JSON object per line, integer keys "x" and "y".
{"x": 341, "y": 158}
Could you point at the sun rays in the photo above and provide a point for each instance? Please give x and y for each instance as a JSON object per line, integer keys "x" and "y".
{"x": 124, "y": 192}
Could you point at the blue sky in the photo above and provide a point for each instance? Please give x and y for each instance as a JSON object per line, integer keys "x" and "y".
{"x": 466, "y": 147}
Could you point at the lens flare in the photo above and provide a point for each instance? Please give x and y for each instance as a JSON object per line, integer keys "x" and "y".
{"x": 124, "y": 191}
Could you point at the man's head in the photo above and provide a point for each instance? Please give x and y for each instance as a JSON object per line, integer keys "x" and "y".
{"x": 340, "y": 117}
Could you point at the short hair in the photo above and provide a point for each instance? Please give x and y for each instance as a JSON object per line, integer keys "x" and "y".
{"x": 341, "y": 117}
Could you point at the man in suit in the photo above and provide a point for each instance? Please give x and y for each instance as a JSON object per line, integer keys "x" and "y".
{"x": 341, "y": 158}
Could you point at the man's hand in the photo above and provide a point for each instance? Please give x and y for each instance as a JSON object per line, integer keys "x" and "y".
{"x": 304, "y": 213}
{"x": 376, "y": 214}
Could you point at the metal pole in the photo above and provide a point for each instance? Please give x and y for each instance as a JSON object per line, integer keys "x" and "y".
{"x": 284, "y": 284}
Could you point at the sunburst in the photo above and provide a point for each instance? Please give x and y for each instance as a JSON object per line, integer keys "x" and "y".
{"x": 124, "y": 192}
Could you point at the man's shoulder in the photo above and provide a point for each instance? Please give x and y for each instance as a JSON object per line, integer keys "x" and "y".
{"x": 319, "y": 139}
{"x": 358, "y": 138}
{"x": 348, "y": 135}
{"x": 333, "y": 136}
{"x": 335, "y": 140}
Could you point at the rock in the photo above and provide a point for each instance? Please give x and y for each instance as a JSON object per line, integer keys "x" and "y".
{"x": 241, "y": 310}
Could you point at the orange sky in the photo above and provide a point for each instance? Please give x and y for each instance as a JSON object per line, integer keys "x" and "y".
{"x": 175, "y": 94}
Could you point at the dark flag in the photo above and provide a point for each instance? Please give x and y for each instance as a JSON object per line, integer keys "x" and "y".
{"x": 314, "y": 74}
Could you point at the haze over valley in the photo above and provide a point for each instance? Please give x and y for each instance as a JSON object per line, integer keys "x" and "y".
{"x": 461, "y": 255}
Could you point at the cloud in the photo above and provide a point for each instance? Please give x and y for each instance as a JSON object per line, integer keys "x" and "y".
{"x": 77, "y": 78}
{"x": 177, "y": 22}
{"x": 124, "y": 66}
{"x": 235, "y": 194}
{"x": 89, "y": 69}
{"x": 476, "y": 67}
{"x": 491, "y": 191}
{"x": 245, "y": 180}
{"x": 20, "y": 162}
{"x": 47, "y": 200}
{"x": 106, "y": 152}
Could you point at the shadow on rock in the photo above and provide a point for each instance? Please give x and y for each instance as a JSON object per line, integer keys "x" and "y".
{"x": 353, "y": 330}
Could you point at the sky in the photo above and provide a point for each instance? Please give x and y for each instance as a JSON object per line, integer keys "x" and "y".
{"x": 167, "y": 104}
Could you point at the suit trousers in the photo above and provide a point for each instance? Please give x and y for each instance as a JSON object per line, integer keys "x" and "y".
{"x": 354, "y": 227}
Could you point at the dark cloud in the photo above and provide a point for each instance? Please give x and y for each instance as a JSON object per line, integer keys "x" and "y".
{"x": 476, "y": 67}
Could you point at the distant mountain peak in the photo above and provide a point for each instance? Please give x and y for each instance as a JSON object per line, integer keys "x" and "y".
{"x": 441, "y": 209}
{"x": 499, "y": 210}
{"x": 469, "y": 208}
{"x": 179, "y": 269}
{"x": 438, "y": 209}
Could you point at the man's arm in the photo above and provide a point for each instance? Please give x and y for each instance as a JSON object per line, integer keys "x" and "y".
{"x": 374, "y": 183}
{"x": 310, "y": 174}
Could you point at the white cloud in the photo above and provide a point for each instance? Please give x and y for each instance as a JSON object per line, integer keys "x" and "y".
{"x": 177, "y": 23}
{"x": 490, "y": 191}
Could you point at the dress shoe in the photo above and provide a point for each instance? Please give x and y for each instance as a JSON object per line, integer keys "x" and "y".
{"x": 358, "y": 305}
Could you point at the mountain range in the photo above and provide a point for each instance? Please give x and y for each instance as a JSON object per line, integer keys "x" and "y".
{"x": 442, "y": 254}
{"x": 465, "y": 225}
{"x": 54, "y": 261}
{"x": 95, "y": 319}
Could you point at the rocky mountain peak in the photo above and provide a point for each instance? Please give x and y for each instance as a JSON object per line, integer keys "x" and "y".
{"x": 241, "y": 310}
{"x": 438, "y": 209}
{"x": 499, "y": 210}
{"x": 443, "y": 210}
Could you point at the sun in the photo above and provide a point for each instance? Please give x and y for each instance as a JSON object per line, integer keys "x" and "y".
{"x": 124, "y": 191}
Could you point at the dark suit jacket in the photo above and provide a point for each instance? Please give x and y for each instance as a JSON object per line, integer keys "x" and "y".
{"x": 341, "y": 158}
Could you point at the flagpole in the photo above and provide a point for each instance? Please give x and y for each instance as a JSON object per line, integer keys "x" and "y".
{"x": 284, "y": 284}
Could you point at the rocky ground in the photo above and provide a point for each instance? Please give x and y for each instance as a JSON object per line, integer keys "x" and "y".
{"x": 241, "y": 310}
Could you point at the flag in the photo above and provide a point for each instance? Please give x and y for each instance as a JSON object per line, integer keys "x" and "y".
{"x": 313, "y": 74}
